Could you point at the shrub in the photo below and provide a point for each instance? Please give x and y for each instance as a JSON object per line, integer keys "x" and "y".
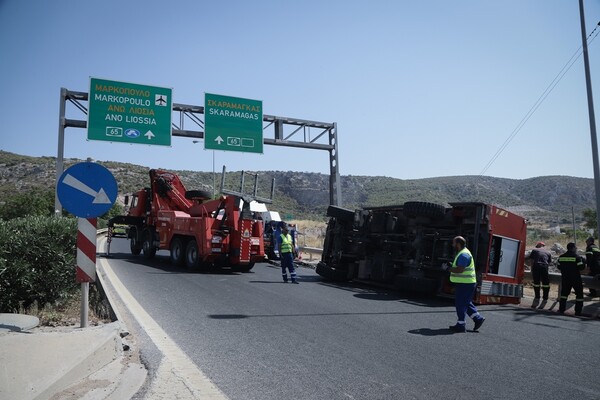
{"x": 34, "y": 202}
{"x": 37, "y": 261}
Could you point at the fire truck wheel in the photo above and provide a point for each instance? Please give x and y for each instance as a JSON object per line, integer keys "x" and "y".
{"x": 423, "y": 209}
{"x": 330, "y": 274}
{"x": 198, "y": 195}
{"x": 148, "y": 244}
{"x": 134, "y": 243}
{"x": 177, "y": 251}
{"x": 192, "y": 259}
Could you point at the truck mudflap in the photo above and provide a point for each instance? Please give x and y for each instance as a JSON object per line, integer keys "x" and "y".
{"x": 332, "y": 274}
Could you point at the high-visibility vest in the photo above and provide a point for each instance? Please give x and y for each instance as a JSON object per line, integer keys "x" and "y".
{"x": 286, "y": 243}
{"x": 468, "y": 275}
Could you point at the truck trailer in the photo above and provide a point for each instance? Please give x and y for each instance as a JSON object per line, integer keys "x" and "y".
{"x": 404, "y": 247}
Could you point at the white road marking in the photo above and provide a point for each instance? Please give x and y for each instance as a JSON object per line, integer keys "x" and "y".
{"x": 175, "y": 359}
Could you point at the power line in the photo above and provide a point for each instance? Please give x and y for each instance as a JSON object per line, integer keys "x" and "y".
{"x": 539, "y": 101}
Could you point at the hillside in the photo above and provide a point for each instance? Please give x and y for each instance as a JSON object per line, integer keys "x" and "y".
{"x": 545, "y": 200}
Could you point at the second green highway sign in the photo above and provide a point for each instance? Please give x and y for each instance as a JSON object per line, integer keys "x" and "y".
{"x": 233, "y": 124}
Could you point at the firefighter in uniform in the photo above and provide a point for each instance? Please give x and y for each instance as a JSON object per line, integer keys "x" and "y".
{"x": 286, "y": 250}
{"x": 541, "y": 259}
{"x": 570, "y": 265}
{"x": 462, "y": 275}
{"x": 592, "y": 258}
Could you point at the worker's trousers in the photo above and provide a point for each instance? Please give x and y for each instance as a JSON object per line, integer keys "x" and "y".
{"x": 463, "y": 300}
{"x": 568, "y": 283}
{"x": 541, "y": 280}
{"x": 287, "y": 263}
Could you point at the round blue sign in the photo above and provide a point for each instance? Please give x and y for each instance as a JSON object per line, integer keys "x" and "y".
{"x": 87, "y": 190}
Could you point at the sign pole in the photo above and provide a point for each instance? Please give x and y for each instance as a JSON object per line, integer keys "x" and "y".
{"x": 85, "y": 304}
{"x": 61, "y": 148}
{"x": 86, "y": 262}
{"x": 592, "y": 117}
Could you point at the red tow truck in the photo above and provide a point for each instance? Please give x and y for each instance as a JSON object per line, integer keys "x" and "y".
{"x": 198, "y": 232}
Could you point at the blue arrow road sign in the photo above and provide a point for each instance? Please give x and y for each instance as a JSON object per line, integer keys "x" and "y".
{"x": 87, "y": 190}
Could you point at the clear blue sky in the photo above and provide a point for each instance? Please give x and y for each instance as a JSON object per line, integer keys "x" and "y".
{"x": 418, "y": 88}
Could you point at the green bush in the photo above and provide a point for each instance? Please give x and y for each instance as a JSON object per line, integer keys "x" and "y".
{"x": 34, "y": 202}
{"x": 37, "y": 261}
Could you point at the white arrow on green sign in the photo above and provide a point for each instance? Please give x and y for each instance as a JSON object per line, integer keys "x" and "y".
{"x": 129, "y": 113}
{"x": 233, "y": 124}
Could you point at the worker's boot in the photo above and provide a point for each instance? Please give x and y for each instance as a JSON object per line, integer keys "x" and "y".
{"x": 593, "y": 293}
{"x": 546, "y": 292}
{"x": 578, "y": 306}
{"x": 562, "y": 305}
{"x": 536, "y": 291}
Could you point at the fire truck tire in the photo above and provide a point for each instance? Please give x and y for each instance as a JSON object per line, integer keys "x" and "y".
{"x": 198, "y": 194}
{"x": 148, "y": 244}
{"x": 340, "y": 213}
{"x": 423, "y": 209}
{"x": 192, "y": 256}
{"x": 134, "y": 243}
{"x": 177, "y": 251}
{"x": 330, "y": 274}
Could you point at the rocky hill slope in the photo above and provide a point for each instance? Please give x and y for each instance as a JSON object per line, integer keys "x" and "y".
{"x": 545, "y": 200}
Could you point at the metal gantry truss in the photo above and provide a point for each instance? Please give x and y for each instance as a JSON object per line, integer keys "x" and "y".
{"x": 277, "y": 131}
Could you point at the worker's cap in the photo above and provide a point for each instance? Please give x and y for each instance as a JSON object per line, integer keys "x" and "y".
{"x": 540, "y": 244}
{"x": 590, "y": 240}
{"x": 571, "y": 246}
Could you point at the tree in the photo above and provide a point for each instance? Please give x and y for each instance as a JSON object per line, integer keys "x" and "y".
{"x": 589, "y": 216}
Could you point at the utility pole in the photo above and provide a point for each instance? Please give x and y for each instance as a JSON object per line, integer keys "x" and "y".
{"x": 590, "y": 98}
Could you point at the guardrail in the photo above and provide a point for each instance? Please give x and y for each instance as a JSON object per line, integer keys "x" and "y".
{"x": 310, "y": 251}
{"x": 588, "y": 281}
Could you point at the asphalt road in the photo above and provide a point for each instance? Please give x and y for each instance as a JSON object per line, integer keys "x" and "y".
{"x": 258, "y": 338}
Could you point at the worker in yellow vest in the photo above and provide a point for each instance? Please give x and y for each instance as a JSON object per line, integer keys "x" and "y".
{"x": 462, "y": 275}
{"x": 286, "y": 253}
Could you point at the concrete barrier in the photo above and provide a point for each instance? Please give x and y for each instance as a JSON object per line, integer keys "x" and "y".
{"x": 38, "y": 365}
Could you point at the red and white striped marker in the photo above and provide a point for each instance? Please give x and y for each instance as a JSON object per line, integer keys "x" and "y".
{"x": 86, "y": 250}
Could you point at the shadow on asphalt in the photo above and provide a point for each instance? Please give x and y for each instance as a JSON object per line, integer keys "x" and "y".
{"x": 163, "y": 263}
{"x": 432, "y": 332}
{"x": 244, "y": 316}
{"x": 524, "y": 315}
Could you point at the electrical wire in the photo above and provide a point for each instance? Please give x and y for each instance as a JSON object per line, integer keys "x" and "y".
{"x": 540, "y": 100}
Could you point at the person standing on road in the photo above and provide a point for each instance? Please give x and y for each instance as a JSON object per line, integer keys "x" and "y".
{"x": 539, "y": 270}
{"x": 462, "y": 275}
{"x": 570, "y": 266}
{"x": 286, "y": 253}
{"x": 592, "y": 258}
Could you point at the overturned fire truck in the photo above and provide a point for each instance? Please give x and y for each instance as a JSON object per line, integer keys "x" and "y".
{"x": 404, "y": 247}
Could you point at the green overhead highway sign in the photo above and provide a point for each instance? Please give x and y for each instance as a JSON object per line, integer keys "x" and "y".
{"x": 129, "y": 113}
{"x": 233, "y": 124}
